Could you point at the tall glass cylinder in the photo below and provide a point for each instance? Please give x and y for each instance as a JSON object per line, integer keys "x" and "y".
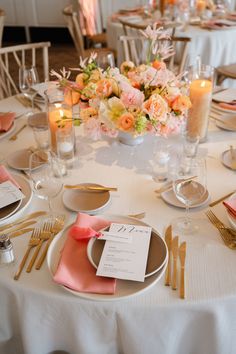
{"x": 200, "y": 91}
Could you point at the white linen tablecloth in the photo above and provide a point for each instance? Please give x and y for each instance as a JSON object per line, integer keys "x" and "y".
{"x": 40, "y": 317}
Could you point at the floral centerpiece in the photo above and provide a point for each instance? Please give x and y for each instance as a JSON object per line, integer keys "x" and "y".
{"x": 137, "y": 100}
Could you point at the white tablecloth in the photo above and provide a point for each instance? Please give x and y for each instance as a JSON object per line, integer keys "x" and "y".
{"x": 40, "y": 317}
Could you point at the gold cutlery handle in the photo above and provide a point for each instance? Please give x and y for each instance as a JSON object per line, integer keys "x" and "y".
{"x": 221, "y": 199}
{"x": 174, "y": 278}
{"x": 13, "y": 137}
{"x": 43, "y": 254}
{"x": 36, "y": 252}
{"x": 90, "y": 188}
{"x": 22, "y": 264}
{"x": 182, "y": 283}
{"x": 20, "y": 232}
{"x": 168, "y": 272}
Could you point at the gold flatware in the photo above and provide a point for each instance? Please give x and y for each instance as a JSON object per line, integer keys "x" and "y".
{"x": 20, "y": 232}
{"x": 90, "y": 188}
{"x": 182, "y": 257}
{"x": 18, "y": 227}
{"x": 57, "y": 227}
{"x": 137, "y": 216}
{"x": 221, "y": 199}
{"x": 23, "y": 219}
{"x": 168, "y": 239}
{"x": 33, "y": 242}
{"x": 233, "y": 158}
{"x": 15, "y": 136}
{"x": 175, "y": 249}
{"x": 44, "y": 235}
{"x": 220, "y": 225}
{"x": 227, "y": 238}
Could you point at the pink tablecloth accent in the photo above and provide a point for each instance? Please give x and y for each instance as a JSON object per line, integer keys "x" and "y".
{"x": 74, "y": 269}
{"x": 6, "y": 120}
{"x": 6, "y": 176}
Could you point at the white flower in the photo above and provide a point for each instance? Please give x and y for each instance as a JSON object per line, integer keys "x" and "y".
{"x": 64, "y": 74}
{"x": 92, "y": 57}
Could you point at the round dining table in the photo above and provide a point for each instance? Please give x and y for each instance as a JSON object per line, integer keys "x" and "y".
{"x": 38, "y": 316}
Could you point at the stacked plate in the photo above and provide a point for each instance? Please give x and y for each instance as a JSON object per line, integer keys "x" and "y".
{"x": 12, "y": 210}
{"x": 156, "y": 264}
{"x": 225, "y": 118}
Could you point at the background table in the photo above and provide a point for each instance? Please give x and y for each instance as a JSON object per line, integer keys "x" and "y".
{"x": 40, "y": 317}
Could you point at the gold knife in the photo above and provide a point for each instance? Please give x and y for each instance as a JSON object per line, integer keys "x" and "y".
{"x": 90, "y": 188}
{"x": 221, "y": 199}
{"x": 175, "y": 248}
{"x": 18, "y": 227}
{"x": 168, "y": 239}
{"x": 20, "y": 232}
{"x": 24, "y": 218}
{"x": 182, "y": 256}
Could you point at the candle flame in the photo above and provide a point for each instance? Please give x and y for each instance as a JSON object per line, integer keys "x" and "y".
{"x": 203, "y": 84}
{"x": 61, "y": 113}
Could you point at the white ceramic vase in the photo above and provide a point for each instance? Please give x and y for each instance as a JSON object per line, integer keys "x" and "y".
{"x": 128, "y": 139}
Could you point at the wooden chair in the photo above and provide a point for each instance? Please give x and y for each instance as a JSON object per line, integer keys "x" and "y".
{"x": 2, "y": 18}
{"x": 225, "y": 72}
{"x": 74, "y": 28}
{"x": 135, "y": 49}
{"x": 130, "y": 28}
{"x": 11, "y": 58}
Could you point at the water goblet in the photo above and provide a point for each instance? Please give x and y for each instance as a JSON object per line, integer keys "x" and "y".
{"x": 46, "y": 176}
{"x": 28, "y": 78}
{"x": 105, "y": 60}
{"x": 189, "y": 186}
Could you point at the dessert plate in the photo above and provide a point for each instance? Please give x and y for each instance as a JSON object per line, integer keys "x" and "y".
{"x": 124, "y": 288}
{"x": 157, "y": 255}
{"x": 227, "y": 122}
{"x": 20, "y": 159}
{"x": 226, "y": 159}
{"x": 89, "y": 202}
{"x": 170, "y": 198}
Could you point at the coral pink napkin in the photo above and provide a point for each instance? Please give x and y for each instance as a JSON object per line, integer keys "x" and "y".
{"x": 230, "y": 106}
{"x": 6, "y": 176}
{"x": 6, "y": 120}
{"x": 74, "y": 269}
{"x": 231, "y": 206}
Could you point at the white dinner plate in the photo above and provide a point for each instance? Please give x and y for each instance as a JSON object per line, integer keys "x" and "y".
{"x": 231, "y": 219}
{"x": 216, "y": 107}
{"x": 19, "y": 159}
{"x": 10, "y": 131}
{"x": 170, "y": 198}
{"x": 88, "y": 202}
{"x": 10, "y": 209}
{"x": 124, "y": 288}
{"x": 226, "y": 158}
{"x": 227, "y": 122}
{"x": 157, "y": 255}
{"x": 28, "y": 193}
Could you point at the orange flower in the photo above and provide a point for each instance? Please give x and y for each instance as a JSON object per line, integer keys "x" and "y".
{"x": 181, "y": 103}
{"x": 71, "y": 97}
{"x": 88, "y": 113}
{"x": 126, "y": 121}
{"x": 156, "y": 107}
{"x": 158, "y": 64}
{"x": 81, "y": 80}
{"x": 104, "y": 88}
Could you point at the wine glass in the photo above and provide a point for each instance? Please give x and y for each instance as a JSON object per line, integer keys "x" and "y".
{"x": 105, "y": 60}
{"x": 46, "y": 174}
{"x": 28, "y": 77}
{"x": 189, "y": 186}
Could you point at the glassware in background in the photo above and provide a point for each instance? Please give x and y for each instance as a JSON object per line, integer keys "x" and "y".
{"x": 189, "y": 186}
{"x": 28, "y": 78}
{"x": 105, "y": 60}
{"x": 190, "y": 145}
{"x": 45, "y": 172}
{"x": 201, "y": 79}
{"x": 161, "y": 160}
{"x": 65, "y": 139}
{"x": 41, "y": 135}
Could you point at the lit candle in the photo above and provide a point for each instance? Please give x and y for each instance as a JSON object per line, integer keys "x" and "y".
{"x": 200, "y": 96}
{"x": 57, "y": 112}
{"x": 201, "y": 5}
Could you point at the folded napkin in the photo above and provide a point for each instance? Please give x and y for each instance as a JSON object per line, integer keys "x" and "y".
{"x": 230, "y": 106}
{"x": 6, "y": 120}
{"x": 231, "y": 206}
{"x": 6, "y": 176}
{"x": 74, "y": 269}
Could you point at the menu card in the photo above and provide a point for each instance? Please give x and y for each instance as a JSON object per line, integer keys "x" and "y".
{"x": 127, "y": 259}
{"x": 9, "y": 194}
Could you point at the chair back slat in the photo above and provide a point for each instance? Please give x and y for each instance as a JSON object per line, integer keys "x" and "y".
{"x": 11, "y": 58}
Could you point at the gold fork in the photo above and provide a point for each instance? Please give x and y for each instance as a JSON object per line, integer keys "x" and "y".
{"x": 58, "y": 226}
{"x": 33, "y": 242}
{"x": 14, "y": 137}
{"x": 225, "y": 235}
{"x": 219, "y": 224}
{"x": 44, "y": 235}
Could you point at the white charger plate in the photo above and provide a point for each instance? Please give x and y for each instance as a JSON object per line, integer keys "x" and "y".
{"x": 228, "y": 122}
{"x": 124, "y": 288}
{"x": 88, "y": 202}
{"x": 170, "y": 198}
{"x": 28, "y": 193}
{"x": 19, "y": 160}
{"x": 231, "y": 219}
{"x": 5, "y": 134}
{"x": 226, "y": 158}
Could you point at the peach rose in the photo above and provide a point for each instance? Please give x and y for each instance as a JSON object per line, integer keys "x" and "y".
{"x": 158, "y": 64}
{"x": 126, "y": 121}
{"x": 181, "y": 103}
{"x": 88, "y": 113}
{"x": 156, "y": 107}
{"x": 104, "y": 88}
{"x": 81, "y": 80}
{"x": 126, "y": 66}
